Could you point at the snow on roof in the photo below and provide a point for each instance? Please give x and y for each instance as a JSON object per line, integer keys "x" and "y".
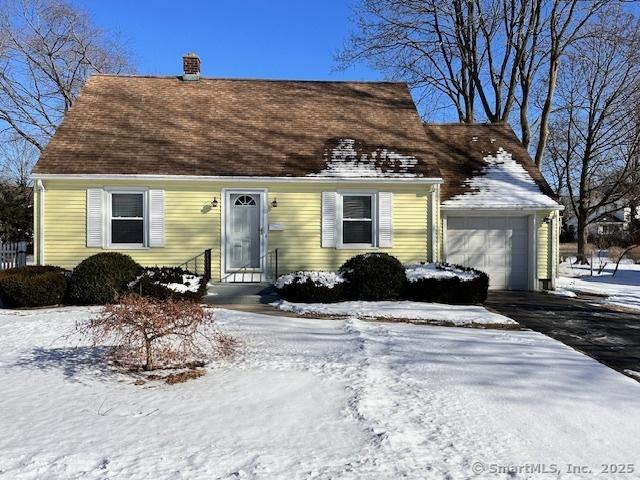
{"x": 502, "y": 183}
{"x": 344, "y": 161}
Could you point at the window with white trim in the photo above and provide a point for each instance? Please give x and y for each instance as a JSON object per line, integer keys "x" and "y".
{"x": 127, "y": 221}
{"x": 358, "y": 212}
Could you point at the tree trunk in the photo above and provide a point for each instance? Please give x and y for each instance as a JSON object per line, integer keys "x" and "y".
{"x": 583, "y": 240}
{"x": 622, "y": 255}
{"x": 546, "y": 111}
{"x": 148, "y": 359}
{"x": 524, "y": 119}
{"x": 634, "y": 223}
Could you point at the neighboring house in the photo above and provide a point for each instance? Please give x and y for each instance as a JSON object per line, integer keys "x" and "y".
{"x": 613, "y": 222}
{"x": 613, "y": 219}
{"x": 164, "y": 168}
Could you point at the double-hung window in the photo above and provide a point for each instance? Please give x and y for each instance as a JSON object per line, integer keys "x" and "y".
{"x": 127, "y": 222}
{"x": 358, "y": 213}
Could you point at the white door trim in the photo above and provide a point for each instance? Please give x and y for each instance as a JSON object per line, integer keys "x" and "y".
{"x": 254, "y": 275}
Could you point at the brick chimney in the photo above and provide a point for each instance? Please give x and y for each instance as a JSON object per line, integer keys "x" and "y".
{"x": 190, "y": 66}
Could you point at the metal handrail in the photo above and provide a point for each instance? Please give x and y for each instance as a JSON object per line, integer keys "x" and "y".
{"x": 206, "y": 262}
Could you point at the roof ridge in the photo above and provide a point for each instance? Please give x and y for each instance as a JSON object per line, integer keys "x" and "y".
{"x": 248, "y": 79}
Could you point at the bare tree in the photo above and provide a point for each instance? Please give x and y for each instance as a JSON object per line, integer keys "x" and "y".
{"x": 486, "y": 55}
{"x": 567, "y": 22}
{"x": 596, "y": 128}
{"x": 17, "y": 157}
{"x": 48, "y": 48}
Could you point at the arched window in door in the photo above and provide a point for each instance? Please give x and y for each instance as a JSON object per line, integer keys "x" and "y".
{"x": 245, "y": 200}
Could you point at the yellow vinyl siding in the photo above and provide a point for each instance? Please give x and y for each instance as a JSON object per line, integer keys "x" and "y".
{"x": 189, "y": 229}
{"x": 192, "y": 226}
{"x": 548, "y": 245}
{"x": 542, "y": 248}
{"x": 554, "y": 243}
{"x": 299, "y": 211}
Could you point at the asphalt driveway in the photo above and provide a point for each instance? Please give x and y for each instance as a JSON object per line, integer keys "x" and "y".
{"x": 610, "y": 337}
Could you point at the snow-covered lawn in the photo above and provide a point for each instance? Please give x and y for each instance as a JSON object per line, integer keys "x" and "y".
{"x": 398, "y": 310}
{"x": 320, "y": 399}
{"x": 623, "y": 290}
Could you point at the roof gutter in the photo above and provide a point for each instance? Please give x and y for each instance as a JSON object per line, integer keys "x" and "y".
{"x": 522, "y": 208}
{"x": 248, "y": 179}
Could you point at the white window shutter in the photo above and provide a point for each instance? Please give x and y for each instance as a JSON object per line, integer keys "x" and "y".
{"x": 156, "y": 218}
{"x": 329, "y": 207}
{"x": 95, "y": 219}
{"x": 385, "y": 219}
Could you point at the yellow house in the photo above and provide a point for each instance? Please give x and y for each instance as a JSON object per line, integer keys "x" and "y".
{"x": 253, "y": 178}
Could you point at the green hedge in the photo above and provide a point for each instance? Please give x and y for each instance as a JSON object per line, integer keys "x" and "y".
{"x": 299, "y": 287}
{"x": 452, "y": 290}
{"x": 99, "y": 279}
{"x": 378, "y": 276}
{"x": 32, "y": 286}
{"x": 373, "y": 276}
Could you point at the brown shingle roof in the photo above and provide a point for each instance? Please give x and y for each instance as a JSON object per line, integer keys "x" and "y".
{"x": 166, "y": 126}
{"x": 460, "y": 148}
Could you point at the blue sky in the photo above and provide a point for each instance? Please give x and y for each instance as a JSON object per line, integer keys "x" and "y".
{"x": 249, "y": 38}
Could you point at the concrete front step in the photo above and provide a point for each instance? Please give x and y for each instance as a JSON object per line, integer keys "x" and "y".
{"x": 240, "y": 293}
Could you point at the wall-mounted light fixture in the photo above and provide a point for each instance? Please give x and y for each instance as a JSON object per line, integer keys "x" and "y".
{"x": 274, "y": 204}
{"x": 214, "y": 202}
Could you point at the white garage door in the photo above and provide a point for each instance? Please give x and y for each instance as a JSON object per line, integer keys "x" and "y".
{"x": 495, "y": 245}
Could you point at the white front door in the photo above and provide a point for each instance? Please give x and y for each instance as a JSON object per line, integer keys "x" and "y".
{"x": 243, "y": 237}
{"x": 497, "y": 246}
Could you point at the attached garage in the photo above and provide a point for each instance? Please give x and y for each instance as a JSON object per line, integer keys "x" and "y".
{"x": 497, "y": 213}
{"x": 498, "y": 246}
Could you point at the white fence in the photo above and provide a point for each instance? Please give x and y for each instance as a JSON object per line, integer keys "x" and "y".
{"x": 13, "y": 255}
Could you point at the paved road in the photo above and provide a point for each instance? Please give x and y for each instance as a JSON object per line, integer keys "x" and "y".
{"x": 610, "y": 337}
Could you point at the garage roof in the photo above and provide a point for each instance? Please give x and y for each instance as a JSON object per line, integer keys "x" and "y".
{"x": 486, "y": 166}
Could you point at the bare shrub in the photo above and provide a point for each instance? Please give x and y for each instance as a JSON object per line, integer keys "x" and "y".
{"x": 634, "y": 254}
{"x": 619, "y": 245}
{"x": 590, "y": 250}
{"x": 148, "y": 334}
{"x": 615, "y": 252}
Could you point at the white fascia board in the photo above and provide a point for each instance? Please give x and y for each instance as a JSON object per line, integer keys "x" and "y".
{"x": 248, "y": 179}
